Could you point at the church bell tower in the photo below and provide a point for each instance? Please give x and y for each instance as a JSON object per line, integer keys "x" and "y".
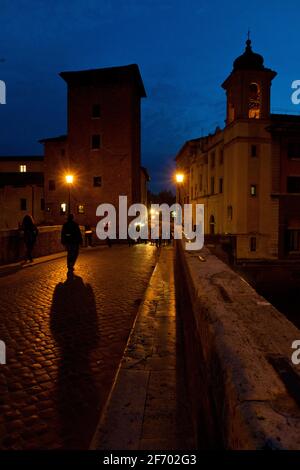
{"x": 248, "y": 87}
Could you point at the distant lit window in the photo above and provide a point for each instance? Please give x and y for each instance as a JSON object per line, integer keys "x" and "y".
{"x": 254, "y": 101}
{"x": 293, "y": 184}
{"x": 80, "y": 209}
{"x": 252, "y": 243}
{"x": 253, "y": 190}
{"x": 96, "y": 111}
{"x": 51, "y": 185}
{"x": 96, "y": 141}
{"x": 63, "y": 208}
{"x": 23, "y": 168}
{"x": 97, "y": 181}
{"x": 253, "y": 151}
{"x": 220, "y": 185}
{"x": 23, "y": 204}
{"x": 42, "y": 204}
{"x": 229, "y": 212}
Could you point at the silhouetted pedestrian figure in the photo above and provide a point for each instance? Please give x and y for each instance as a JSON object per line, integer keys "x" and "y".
{"x": 71, "y": 238}
{"x": 88, "y": 235}
{"x": 30, "y": 235}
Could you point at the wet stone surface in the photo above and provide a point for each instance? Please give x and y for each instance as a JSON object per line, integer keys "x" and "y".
{"x": 64, "y": 341}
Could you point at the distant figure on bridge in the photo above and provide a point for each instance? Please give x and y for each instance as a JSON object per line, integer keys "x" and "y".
{"x": 71, "y": 238}
{"x": 88, "y": 234}
{"x": 30, "y": 231}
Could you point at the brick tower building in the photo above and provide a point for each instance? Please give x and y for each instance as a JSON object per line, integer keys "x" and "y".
{"x": 102, "y": 147}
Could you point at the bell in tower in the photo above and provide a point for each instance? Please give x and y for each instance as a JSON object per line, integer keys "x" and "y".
{"x": 248, "y": 87}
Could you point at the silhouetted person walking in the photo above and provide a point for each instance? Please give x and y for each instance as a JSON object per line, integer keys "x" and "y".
{"x": 71, "y": 238}
{"x": 30, "y": 234}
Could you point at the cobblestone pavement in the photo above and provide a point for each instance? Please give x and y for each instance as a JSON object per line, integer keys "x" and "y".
{"x": 64, "y": 341}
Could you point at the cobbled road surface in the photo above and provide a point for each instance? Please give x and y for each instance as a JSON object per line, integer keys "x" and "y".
{"x": 64, "y": 341}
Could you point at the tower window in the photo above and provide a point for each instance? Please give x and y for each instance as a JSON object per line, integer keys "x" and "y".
{"x": 97, "y": 181}
{"x": 96, "y": 141}
{"x": 96, "y": 111}
{"x": 253, "y": 150}
{"x": 51, "y": 185}
{"x": 252, "y": 243}
{"x": 23, "y": 169}
{"x": 254, "y": 101}
{"x": 293, "y": 184}
{"x": 294, "y": 150}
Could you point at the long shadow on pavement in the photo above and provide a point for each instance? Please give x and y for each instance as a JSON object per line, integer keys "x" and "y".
{"x": 75, "y": 329}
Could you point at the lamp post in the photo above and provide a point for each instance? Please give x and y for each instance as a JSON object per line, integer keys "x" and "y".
{"x": 179, "y": 177}
{"x": 69, "y": 181}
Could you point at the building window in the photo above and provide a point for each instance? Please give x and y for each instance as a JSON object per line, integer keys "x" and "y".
{"x": 252, "y": 243}
{"x": 293, "y": 240}
{"x": 212, "y": 160}
{"x": 221, "y": 157}
{"x": 294, "y": 150}
{"x": 97, "y": 181}
{"x": 229, "y": 212}
{"x": 253, "y": 190}
{"x": 220, "y": 185}
{"x": 200, "y": 183}
{"x": 96, "y": 111}
{"x": 212, "y": 185}
{"x": 293, "y": 184}
{"x": 51, "y": 185}
{"x": 23, "y": 204}
{"x": 42, "y": 204}
{"x": 23, "y": 168}
{"x": 253, "y": 151}
{"x": 63, "y": 208}
{"x": 80, "y": 209}
{"x": 96, "y": 141}
{"x": 212, "y": 224}
{"x": 254, "y": 101}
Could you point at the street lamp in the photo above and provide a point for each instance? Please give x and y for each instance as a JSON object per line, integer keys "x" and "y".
{"x": 179, "y": 177}
{"x": 69, "y": 181}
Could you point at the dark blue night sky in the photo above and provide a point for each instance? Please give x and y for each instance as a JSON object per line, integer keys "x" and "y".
{"x": 184, "y": 49}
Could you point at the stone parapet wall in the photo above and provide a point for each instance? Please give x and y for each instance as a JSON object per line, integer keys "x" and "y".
{"x": 244, "y": 390}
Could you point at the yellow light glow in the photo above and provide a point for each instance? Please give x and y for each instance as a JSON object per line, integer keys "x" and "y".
{"x": 69, "y": 179}
{"x": 179, "y": 177}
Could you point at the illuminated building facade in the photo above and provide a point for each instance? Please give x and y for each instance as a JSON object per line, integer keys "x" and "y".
{"x": 248, "y": 174}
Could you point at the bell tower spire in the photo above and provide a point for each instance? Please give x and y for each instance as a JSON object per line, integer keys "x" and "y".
{"x": 248, "y": 87}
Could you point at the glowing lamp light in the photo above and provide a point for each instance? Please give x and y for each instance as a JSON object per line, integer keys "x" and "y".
{"x": 69, "y": 179}
{"x": 179, "y": 177}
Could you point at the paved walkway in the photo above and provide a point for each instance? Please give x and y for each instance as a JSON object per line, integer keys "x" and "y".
{"x": 65, "y": 340}
{"x": 148, "y": 408}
